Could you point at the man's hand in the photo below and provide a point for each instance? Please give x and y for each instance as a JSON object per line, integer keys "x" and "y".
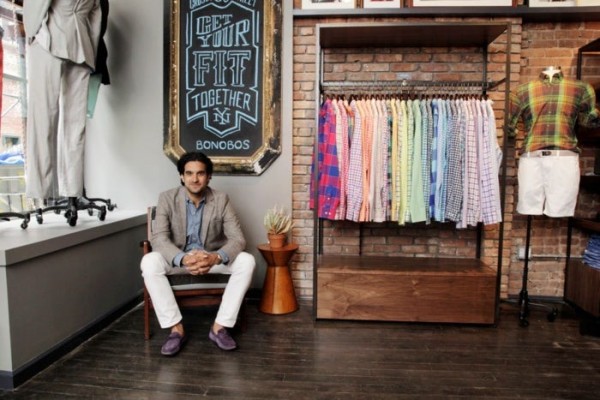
{"x": 199, "y": 262}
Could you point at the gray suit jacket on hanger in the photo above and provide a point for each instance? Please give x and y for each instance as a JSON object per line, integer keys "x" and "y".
{"x": 67, "y": 29}
{"x": 34, "y": 12}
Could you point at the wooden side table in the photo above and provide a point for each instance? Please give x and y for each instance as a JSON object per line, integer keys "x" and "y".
{"x": 278, "y": 295}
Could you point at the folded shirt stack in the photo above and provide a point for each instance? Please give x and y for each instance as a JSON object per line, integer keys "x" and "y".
{"x": 591, "y": 256}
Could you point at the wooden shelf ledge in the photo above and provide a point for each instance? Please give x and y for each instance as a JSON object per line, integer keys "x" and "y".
{"x": 403, "y": 265}
{"x": 528, "y": 14}
{"x": 586, "y": 224}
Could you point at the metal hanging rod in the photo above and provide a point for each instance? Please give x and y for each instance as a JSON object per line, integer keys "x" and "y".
{"x": 408, "y": 84}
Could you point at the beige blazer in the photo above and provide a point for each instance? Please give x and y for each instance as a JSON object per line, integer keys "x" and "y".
{"x": 220, "y": 228}
{"x": 67, "y": 29}
{"x": 34, "y": 12}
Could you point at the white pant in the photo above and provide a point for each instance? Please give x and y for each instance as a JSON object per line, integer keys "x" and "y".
{"x": 56, "y": 120}
{"x": 155, "y": 270}
{"x": 548, "y": 184}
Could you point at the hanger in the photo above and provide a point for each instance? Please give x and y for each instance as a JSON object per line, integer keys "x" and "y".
{"x": 551, "y": 72}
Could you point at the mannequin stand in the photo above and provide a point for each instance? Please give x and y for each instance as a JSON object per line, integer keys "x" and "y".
{"x": 524, "y": 302}
{"x": 72, "y": 205}
{"x": 26, "y": 216}
{"x": 109, "y": 205}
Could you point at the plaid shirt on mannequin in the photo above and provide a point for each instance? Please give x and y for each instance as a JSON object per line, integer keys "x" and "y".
{"x": 550, "y": 110}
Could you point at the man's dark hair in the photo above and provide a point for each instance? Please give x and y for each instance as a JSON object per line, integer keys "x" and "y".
{"x": 195, "y": 156}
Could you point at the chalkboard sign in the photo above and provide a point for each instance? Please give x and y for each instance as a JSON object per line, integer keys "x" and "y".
{"x": 222, "y": 78}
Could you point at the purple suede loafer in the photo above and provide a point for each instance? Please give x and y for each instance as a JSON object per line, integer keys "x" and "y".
{"x": 173, "y": 344}
{"x": 222, "y": 339}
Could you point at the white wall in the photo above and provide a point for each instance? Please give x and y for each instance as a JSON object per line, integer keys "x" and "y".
{"x": 124, "y": 156}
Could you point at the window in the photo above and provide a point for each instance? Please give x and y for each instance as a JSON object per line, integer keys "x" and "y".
{"x": 13, "y": 108}
{"x": 9, "y": 140}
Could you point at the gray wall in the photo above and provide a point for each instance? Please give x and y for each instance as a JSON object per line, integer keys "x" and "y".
{"x": 124, "y": 157}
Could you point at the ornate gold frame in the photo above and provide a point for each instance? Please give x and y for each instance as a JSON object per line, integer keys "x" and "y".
{"x": 270, "y": 113}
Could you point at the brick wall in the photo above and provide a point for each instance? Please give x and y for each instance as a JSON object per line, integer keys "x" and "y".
{"x": 533, "y": 47}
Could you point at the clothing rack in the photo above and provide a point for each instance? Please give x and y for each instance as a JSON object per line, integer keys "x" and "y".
{"x": 400, "y": 87}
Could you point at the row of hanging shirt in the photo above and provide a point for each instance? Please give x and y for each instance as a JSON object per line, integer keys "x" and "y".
{"x": 408, "y": 160}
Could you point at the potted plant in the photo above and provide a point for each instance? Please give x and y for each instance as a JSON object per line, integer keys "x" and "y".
{"x": 278, "y": 223}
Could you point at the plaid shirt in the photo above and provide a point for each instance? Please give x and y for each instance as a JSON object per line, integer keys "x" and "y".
{"x": 327, "y": 165}
{"x": 471, "y": 199}
{"x": 341, "y": 133}
{"x": 367, "y": 146}
{"x": 403, "y": 134}
{"x": 550, "y": 109}
{"x": 354, "y": 182}
{"x": 426, "y": 152}
{"x": 416, "y": 204}
{"x": 455, "y": 162}
{"x": 490, "y": 190}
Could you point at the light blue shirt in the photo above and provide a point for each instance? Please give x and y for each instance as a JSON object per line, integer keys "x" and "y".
{"x": 194, "y": 217}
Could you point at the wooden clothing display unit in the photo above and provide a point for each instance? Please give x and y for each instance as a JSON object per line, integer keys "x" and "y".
{"x": 389, "y": 288}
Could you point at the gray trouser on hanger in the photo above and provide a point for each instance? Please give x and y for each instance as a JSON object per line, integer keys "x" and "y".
{"x": 56, "y": 119}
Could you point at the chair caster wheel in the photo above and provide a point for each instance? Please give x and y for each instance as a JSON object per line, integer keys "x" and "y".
{"x": 72, "y": 220}
{"x": 26, "y": 219}
{"x": 71, "y": 216}
{"x": 102, "y": 214}
{"x": 552, "y": 315}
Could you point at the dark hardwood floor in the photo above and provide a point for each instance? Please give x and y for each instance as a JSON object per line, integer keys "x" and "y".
{"x": 294, "y": 357}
